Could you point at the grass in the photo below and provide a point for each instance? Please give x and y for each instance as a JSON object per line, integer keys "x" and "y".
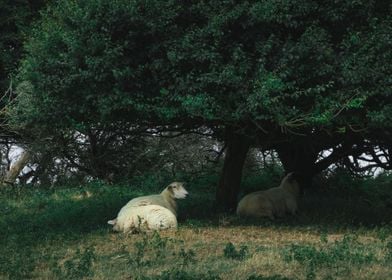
{"x": 62, "y": 234}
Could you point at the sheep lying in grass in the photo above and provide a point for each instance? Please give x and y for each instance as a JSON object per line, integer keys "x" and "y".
{"x": 143, "y": 218}
{"x": 165, "y": 199}
{"x": 152, "y": 212}
{"x": 274, "y": 202}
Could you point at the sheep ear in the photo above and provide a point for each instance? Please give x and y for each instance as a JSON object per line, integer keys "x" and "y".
{"x": 112, "y": 222}
{"x": 291, "y": 176}
{"x": 170, "y": 188}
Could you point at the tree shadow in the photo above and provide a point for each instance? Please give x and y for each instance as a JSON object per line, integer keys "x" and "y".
{"x": 316, "y": 211}
{"x": 45, "y": 218}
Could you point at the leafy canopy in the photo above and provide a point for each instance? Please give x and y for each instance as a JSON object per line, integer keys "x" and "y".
{"x": 299, "y": 65}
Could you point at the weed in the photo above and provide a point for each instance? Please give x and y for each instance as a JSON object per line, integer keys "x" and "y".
{"x": 158, "y": 244}
{"x": 154, "y": 243}
{"x": 348, "y": 249}
{"x": 310, "y": 273}
{"x": 261, "y": 277}
{"x": 140, "y": 251}
{"x": 388, "y": 254}
{"x": 176, "y": 274}
{"x": 187, "y": 256}
{"x": 17, "y": 265}
{"x": 231, "y": 252}
{"x": 324, "y": 237}
{"x": 383, "y": 233}
{"x": 335, "y": 255}
{"x": 78, "y": 267}
{"x": 195, "y": 224}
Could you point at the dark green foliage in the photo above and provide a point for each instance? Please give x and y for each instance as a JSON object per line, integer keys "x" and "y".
{"x": 108, "y": 75}
{"x": 15, "y": 20}
{"x": 231, "y": 252}
{"x": 176, "y": 274}
{"x": 347, "y": 250}
{"x": 49, "y": 213}
{"x": 297, "y": 65}
{"x": 17, "y": 259}
{"x": 314, "y": 75}
{"x": 262, "y": 179}
{"x": 375, "y": 192}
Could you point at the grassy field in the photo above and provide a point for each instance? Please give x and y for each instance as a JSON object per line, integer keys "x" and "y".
{"x": 61, "y": 233}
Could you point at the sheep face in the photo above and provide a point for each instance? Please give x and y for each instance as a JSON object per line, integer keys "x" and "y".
{"x": 178, "y": 190}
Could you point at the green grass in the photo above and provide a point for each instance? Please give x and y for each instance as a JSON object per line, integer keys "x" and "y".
{"x": 340, "y": 233}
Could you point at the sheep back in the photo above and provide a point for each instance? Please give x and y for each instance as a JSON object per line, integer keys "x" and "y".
{"x": 155, "y": 199}
{"x": 144, "y": 218}
{"x": 255, "y": 205}
{"x": 165, "y": 199}
{"x": 274, "y": 202}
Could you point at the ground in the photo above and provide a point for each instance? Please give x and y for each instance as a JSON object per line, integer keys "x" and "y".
{"x": 61, "y": 233}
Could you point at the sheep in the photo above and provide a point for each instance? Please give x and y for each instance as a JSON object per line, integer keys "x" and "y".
{"x": 274, "y": 202}
{"x": 165, "y": 199}
{"x": 143, "y": 218}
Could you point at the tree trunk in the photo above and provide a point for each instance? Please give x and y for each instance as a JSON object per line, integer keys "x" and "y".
{"x": 230, "y": 180}
{"x": 299, "y": 157}
{"x": 16, "y": 168}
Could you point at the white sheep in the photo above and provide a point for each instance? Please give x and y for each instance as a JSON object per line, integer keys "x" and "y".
{"x": 274, "y": 202}
{"x": 165, "y": 199}
{"x": 143, "y": 218}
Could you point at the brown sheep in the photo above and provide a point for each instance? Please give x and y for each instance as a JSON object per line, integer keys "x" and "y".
{"x": 274, "y": 202}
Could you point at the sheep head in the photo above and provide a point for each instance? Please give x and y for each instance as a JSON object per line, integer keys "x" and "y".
{"x": 114, "y": 224}
{"x": 177, "y": 190}
{"x": 291, "y": 184}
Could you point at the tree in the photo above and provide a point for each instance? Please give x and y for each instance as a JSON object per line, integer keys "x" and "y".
{"x": 16, "y": 16}
{"x": 16, "y": 168}
{"x": 15, "y": 20}
{"x": 283, "y": 75}
{"x": 109, "y": 98}
{"x": 291, "y": 76}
